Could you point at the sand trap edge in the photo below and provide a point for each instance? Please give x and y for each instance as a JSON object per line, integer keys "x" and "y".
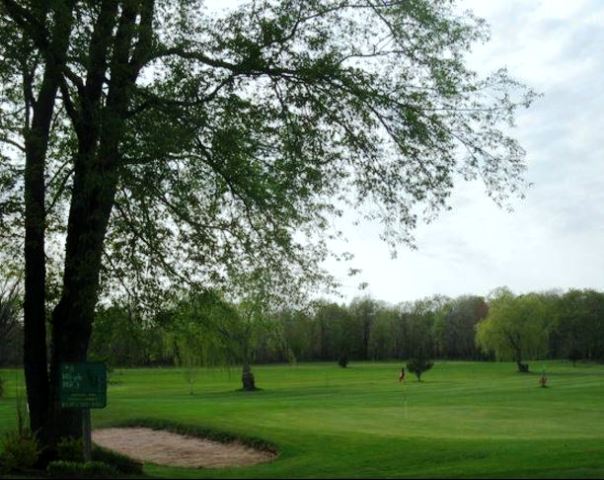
{"x": 231, "y": 446}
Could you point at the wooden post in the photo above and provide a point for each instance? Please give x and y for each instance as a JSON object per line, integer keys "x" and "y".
{"x": 86, "y": 434}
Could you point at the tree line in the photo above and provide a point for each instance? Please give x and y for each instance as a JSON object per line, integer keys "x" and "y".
{"x": 552, "y": 325}
{"x": 501, "y": 326}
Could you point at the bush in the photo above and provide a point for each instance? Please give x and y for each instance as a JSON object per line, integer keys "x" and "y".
{"x": 343, "y": 361}
{"x": 122, "y": 463}
{"x": 67, "y": 469}
{"x": 70, "y": 449}
{"x": 19, "y": 451}
{"x": 419, "y": 366}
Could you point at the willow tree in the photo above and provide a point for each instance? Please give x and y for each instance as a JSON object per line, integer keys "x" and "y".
{"x": 145, "y": 142}
{"x": 227, "y": 327}
{"x": 516, "y": 328}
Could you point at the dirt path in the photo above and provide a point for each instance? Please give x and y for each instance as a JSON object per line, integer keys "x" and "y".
{"x": 166, "y": 448}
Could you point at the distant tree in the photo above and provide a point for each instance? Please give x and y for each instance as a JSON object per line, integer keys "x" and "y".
{"x": 334, "y": 328}
{"x": 580, "y": 325}
{"x": 230, "y": 330}
{"x": 458, "y": 329}
{"x": 192, "y": 335}
{"x": 421, "y": 317}
{"x": 191, "y": 373}
{"x": 381, "y": 338}
{"x": 418, "y": 366}
{"x": 516, "y": 328}
{"x": 363, "y": 312}
{"x": 122, "y": 337}
{"x": 419, "y": 320}
{"x": 338, "y": 335}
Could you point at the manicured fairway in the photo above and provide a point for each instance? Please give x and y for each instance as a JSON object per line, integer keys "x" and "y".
{"x": 465, "y": 420}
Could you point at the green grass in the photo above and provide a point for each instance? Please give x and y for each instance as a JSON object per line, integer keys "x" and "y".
{"x": 465, "y": 420}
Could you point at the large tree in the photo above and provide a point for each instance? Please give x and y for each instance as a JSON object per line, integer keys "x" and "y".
{"x": 456, "y": 328}
{"x": 580, "y": 325}
{"x": 516, "y": 327}
{"x": 145, "y": 143}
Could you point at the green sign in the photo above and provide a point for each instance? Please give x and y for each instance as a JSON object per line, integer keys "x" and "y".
{"x": 83, "y": 385}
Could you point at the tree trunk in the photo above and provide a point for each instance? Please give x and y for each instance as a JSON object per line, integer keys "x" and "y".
{"x": 247, "y": 378}
{"x": 36, "y": 145}
{"x": 92, "y": 200}
{"x": 34, "y": 327}
{"x": 93, "y": 195}
{"x": 522, "y": 367}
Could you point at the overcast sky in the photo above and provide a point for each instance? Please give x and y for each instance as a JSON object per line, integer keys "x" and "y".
{"x": 555, "y": 237}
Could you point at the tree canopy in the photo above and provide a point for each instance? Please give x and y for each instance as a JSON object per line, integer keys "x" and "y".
{"x": 145, "y": 144}
{"x": 237, "y": 133}
{"x": 516, "y": 328}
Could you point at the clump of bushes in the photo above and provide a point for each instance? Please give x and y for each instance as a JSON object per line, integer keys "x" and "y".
{"x": 70, "y": 469}
{"x": 19, "y": 451}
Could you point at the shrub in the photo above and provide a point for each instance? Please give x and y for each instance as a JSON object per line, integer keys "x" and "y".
{"x": 19, "y": 451}
{"x": 67, "y": 469}
{"x": 121, "y": 462}
{"x": 343, "y": 361}
{"x": 70, "y": 449}
{"x": 419, "y": 366}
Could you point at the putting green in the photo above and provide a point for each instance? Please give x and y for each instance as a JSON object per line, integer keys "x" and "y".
{"x": 467, "y": 419}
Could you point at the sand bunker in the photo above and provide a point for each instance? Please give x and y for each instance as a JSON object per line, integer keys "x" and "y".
{"x": 166, "y": 448}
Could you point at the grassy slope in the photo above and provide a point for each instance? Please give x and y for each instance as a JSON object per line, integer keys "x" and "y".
{"x": 464, "y": 420}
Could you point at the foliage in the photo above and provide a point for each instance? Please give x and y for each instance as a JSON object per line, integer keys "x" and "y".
{"x": 18, "y": 450}
{"x": 456, "y": 327}
{"x": 195, "y": 327}
{"x": 370, "y": 104}
{"x": 343, "y": 361}
{"x": 443, "y": 328}
{"x": 579, "y": 326}
{"x": 10, "y": 326}
{"x": 146, "y": 145}
{"x": 516, "y": 328}
{"x": 73, "y": 469}
{"x": 70, "y": 449}
{"x": 191, "y": 374}
{"x": 122, "y": 463}
{"x": 121, "y": 336}
{"x": 418, "y": 366}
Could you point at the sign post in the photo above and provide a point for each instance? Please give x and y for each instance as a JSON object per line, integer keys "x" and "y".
{"x": 84, "y": 385}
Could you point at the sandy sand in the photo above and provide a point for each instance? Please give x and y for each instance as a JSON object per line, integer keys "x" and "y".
{"x": 166, "y": 448}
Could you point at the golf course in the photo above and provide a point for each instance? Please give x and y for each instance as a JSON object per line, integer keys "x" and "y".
{"x": 465, "y": 419}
